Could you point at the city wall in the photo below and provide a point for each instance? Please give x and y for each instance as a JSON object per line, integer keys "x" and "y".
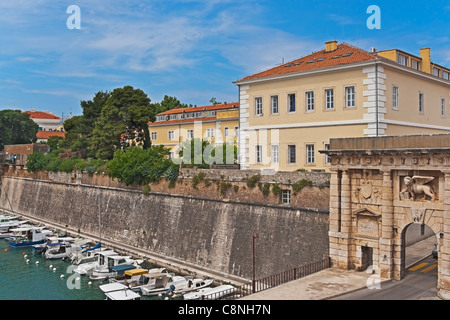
{"x": 205, "y": 226}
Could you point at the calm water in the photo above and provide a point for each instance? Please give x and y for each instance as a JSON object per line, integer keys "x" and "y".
{"x": 36, "y": 280}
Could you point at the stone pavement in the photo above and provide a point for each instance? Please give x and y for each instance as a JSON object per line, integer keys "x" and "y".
{"x": 331, "y": 282}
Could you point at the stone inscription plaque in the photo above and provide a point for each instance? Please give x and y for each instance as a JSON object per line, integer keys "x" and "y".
{"x": 368, "y": 225}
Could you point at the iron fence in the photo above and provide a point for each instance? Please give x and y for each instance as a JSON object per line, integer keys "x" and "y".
{"x": 268, "y": 282}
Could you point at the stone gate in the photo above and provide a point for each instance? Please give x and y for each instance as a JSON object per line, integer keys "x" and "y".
{"x": 378, "y": 187}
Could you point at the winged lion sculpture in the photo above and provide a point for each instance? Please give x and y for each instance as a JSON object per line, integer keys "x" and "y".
{"x": 418, "y": 185}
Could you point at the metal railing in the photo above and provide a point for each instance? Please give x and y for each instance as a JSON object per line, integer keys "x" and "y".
{"x": 268, "y": 282}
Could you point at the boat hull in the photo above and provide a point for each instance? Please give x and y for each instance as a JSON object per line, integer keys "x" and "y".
{"x": 26, "y": 243}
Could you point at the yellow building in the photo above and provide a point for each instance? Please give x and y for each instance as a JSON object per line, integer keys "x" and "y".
{"x": 290, "y": 112}
{"x": 215, "y": 123}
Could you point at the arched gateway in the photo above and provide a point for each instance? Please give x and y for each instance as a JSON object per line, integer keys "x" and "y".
{"x": 379, "y": 186}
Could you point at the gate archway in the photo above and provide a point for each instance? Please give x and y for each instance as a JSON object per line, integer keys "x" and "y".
{"x": 378, "y": 188}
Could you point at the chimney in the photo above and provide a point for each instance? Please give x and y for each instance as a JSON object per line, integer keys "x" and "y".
{"x": 425, "y": 54}
{"x": 330, "y": 46}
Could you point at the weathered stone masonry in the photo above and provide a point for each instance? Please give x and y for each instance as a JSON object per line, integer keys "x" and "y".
{"x": 380, "y": 186}
{"x": 212, "y": 233}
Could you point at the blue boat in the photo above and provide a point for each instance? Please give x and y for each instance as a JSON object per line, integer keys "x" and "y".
{"x": 28, "y": 236}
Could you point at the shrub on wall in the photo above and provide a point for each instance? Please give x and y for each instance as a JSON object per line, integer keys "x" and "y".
{"x": 298, "y": 186}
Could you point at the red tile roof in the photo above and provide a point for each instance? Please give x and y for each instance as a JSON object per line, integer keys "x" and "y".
{"x": 48, "y": 134}
{"x": 41, "y": 115}
{"x": 182, "y": 120}
{"x": 318, "y": 60}
{"x": 193, "y": 109}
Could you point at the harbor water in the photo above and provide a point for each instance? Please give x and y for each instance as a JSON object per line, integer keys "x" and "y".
{"x": 27, "y": 275}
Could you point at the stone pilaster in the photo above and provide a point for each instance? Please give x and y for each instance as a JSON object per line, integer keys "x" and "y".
{"x": 444, "y": 252}
{"x": 386, "y": 243}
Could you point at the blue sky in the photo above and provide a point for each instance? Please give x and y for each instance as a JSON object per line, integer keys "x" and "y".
{"x": 190, "y": 49}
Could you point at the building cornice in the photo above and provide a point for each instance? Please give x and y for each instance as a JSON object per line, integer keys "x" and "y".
{"x": 381, "y": 61}
{"x": 306, "y": 73}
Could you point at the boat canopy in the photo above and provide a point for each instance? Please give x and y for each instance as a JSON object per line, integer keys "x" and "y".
{"x": 123, "y": 267}
{"x": 136, "y": 272}
{"x": 93, "y": 248}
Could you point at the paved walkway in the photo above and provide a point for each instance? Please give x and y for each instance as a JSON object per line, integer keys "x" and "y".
{"x": 330, "y": 283}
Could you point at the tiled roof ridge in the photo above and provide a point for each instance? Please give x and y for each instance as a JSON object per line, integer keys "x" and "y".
{"x": 218, "y": 106}
{"x": 281, "y": 69}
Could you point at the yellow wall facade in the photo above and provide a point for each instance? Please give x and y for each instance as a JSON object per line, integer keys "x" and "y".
{"x": 373, "y": 113}
{"x": 199, "y": 130}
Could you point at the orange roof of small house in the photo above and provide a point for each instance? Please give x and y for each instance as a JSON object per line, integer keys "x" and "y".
{"x": 41, "y": 115}
{"x": 219, "y": 106}
{"x": 344, "y": 54}
{"x": 48, "y": 134}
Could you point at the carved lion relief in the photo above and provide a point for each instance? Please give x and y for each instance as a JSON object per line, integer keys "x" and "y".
{"x": 418, "y": 185}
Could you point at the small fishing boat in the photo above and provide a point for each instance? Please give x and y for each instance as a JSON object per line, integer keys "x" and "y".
{"x": 86, "y": 255}
{"x": 136, "y": 278}
{"x": 61, "y": 247}
{"x": 211, "y": 293}
{"x": 118, "y": 291}
{"x": 100, "y": 258}
{"x": 28, "y": 236}
{"x": 100, "y": 272}
{"x": 168, "y": 284}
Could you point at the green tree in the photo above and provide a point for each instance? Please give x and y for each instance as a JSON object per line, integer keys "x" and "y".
{"x": 125, "y": 116}
{"x": 16, "y": 127}
{"x": 79, "y": 128}
{"x": 141, "y": 166}
{"x": 169, "y": 103}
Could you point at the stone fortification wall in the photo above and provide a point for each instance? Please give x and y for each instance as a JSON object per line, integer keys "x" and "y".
{"x": 212, "y": 233}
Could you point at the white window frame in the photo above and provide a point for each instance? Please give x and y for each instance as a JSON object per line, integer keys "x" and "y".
{"x": 258, "y": 106}
{"x": 289, "y": 154}
{"x": 395, "y": 97}
{"x": 171, "y": 135}
{"x": 210, "y": 133}
{"x": 291, "y": 103}
{"x": 309, "y": 96}
{"x": 402, "y": 59}
{"x": 225, "y": 132}
{"x": 350, "y": 97}
{"x": 275, "y": 153}
{"x": 445, "y": 75}
{"x": 236, "y": 132}
{"x": 329, "y": 99}
{"x": 327, "y": 157}
{"x": 310, "y": 154}
{"x": 154, "y": 135}
{"x": 190, "y": 134}
{"x": 435, "y": 72}
{"x": 286, "y": 196}
{"x": 258, "y": 153}
{"x": 415, "y": 64}
{"x": 274, "y": 104}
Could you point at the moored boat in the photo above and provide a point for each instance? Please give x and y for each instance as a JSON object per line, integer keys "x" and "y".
{"x": 119, "y": 291}
{"x": 211, "y": 293}
{"x": 167, "y": 284}
{"x": 101, "y": 271}
{"x": 28, "y": 236}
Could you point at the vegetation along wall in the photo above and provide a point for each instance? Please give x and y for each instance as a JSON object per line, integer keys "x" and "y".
{"x": 211, "y": 232}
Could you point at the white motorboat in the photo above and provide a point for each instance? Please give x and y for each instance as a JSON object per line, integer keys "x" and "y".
{"x": 28, "y": 236}
{"x": 61, "y": 247}
{"x": 101, "y": 271}
{"x": 86, "y": 255}
{"x": 211, "y": 293}
{"x": 100, "y": 257}
{"x": 6, "y": 228}
{"x": 136, "y": 278}
{"x": 166, "y": 284}
{"x": 119, "y": 291}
